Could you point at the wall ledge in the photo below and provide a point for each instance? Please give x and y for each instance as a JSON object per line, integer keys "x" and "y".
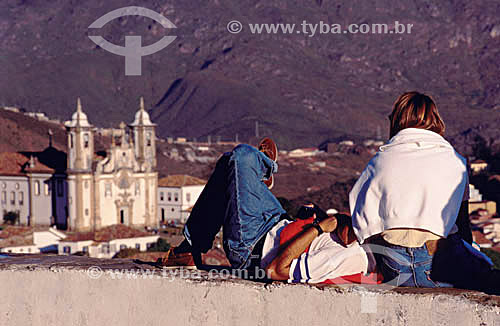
{"x": 72, "y": 290}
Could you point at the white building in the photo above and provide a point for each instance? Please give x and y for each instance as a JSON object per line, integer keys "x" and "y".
{"x": 33, "y": 186}
{"x": 120, "y": 188}
{"x": 19, "y": 239}
{"x": 176, "y": 195}
{"x": 106, "y": 242}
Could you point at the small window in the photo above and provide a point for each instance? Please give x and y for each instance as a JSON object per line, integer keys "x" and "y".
{"x": 21, "y": 198}
{"x": 12, "y": 198}
{"x": 122, "y": 246}
{"x": 4, "y": 197}
{"x": 148, "y": 139}
{"x": 46, "y": 188}
{"x": 71, "y": 140}
{"x": 17, "y": 185}
{"x": 108, "y": 190}
{"x": 37, "y": 188}
{"x": 138, "y": 246}
{"x": 85, "y": 249}
{"x": 176, "y": 197}
{"x": 86, "y": 140}
{"x": 67, "y": 249}
{"x": 169, "y": 196}
{"x": 162, "y": 196}
{"x": 188, "y": 197}
{"x": 4, "y": 185}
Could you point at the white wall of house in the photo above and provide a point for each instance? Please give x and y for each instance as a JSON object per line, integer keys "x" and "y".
{"x": 174, "y": 201}
{"x": 14, "y": 196}
{"x": 106, "y": 249}
{"x": 31, "y": 249}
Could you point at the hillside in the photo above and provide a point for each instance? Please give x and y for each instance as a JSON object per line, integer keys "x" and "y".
{"x": 302, "y": 90}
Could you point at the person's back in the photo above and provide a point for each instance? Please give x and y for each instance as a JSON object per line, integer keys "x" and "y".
{"x": 412, "y": 201}
{"x": 415, "y": 181}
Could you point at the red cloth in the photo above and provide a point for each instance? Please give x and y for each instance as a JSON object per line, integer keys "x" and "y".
{"x": 295, "y": 227}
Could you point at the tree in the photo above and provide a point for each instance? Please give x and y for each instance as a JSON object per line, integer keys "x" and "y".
{"x": 11, "y": 217}
{"x": 160, "y": 245}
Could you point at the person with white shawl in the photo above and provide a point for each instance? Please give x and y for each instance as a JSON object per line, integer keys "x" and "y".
{"x": 411, "y": 203}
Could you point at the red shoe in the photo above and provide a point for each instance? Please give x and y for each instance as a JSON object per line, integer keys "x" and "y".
{"x": 268, "y": 147}
{"x": 172, "y": 260}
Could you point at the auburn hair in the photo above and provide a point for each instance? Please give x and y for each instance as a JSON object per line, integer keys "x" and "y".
{"x": 415, "y": 110}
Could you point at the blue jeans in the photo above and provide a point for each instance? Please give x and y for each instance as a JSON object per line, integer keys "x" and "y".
{"x": 408, "y": 267}
{"x": 236, "y": 199}
{"x": 455, "y": 264}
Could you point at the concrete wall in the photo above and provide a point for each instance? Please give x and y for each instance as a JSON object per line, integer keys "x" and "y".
{"x": 51, "y": 295}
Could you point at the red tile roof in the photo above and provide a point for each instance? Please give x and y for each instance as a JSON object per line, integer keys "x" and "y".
{"x": 479, "y": 238}
{"x": 17, "y": 164}
{"x": 117, "y": 231}
{"x": 180, "y": 180}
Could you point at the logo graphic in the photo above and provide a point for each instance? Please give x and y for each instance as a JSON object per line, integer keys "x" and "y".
{"x": 133, "y": 50}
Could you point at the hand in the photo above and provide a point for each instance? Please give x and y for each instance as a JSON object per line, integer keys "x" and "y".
{"x": 328, "y": 224}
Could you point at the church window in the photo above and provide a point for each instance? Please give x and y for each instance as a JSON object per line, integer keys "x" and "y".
{"x": 176, "y": 197}
{"x": 17, "y": 185}
{"x": 4, "y": 197}
{"x": 86, "y": 140}
{"x": 107, "y": 191}
{"x": 71, "y": 140}
{"x": 122, "y": 246}
{"x": 188, "y": 197}
{"x": 148, "y": 139}
{"x": 37, "y": 188}
{"x": 4, "y": 185}
{"x": 122, "y": 216}
{"x": 12, "y": 198}
{"x": 169, "y": 196}
{"x": 46, "y": 188}
{"x": 138, "y": 246}
{"x": 21, "y": 198}
{"x": 162, "y": 196}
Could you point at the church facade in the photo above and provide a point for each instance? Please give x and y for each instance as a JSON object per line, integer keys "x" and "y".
{"x": 120, "y": 188}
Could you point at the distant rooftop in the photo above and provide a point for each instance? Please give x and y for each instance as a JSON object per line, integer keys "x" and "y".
{"x": 180, "y": 180}
{"x": 118, "y": 231}
{"x": 17, "y": 164}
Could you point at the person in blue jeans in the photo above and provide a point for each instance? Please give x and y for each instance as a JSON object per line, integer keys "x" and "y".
{"x": 236, "y": 198}
{"x": 411, "y": 204}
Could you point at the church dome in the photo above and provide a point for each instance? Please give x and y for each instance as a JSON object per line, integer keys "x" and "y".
{"x": 78, "y": 118}
{"x": 142, "y": 117}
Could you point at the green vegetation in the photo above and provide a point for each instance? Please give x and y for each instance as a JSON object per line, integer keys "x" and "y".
{"x": 160, "y": 245}
{"x": 494, "y": 255}
{"x": 11, "y": 218}
{"x": 125, "y": 253}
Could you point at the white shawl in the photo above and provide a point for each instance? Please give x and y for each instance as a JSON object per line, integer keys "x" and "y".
{"x": 416, "y": 180}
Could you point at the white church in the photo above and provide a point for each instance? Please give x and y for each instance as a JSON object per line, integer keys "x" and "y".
{"x": 120, "y": 188}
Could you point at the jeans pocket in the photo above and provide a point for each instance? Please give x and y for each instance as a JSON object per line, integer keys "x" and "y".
{"x": 429, "y": 282}
{"x": 392, "y": 274}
